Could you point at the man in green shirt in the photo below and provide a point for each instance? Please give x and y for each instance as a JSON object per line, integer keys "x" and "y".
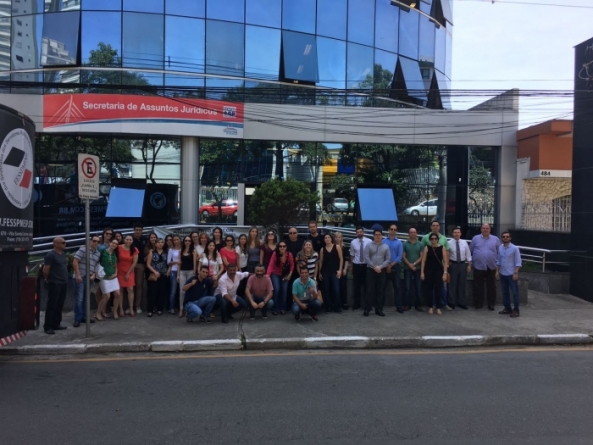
{"x": 412, "y": 258}
{"x": 435, "y": 227}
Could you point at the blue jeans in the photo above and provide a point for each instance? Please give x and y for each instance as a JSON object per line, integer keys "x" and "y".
{"x": 410, "y": 275}
{"x": 202, "y": 306}
{"x": 395, "y": 278}
{"x": 506, "y": 283}
{"x": 80, "y": 300}
{"x": 264, "y": 310}
{"x": 331, "y": 287}
{"x": 173, "y": 290}
{"x": 280, "y": 290}
{"x": 313, "y": 304}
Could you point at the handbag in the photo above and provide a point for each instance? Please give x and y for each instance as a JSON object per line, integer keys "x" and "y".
{"x": 152, "y": 277}
{"x": 286, "y": 268}
{"x": 99, "y": 272}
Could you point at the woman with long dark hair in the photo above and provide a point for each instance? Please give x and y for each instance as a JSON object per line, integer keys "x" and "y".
{"x": 332, "y": 263}
{"x": 217, "y": 238}
{"x": 173, "y": 261}
{"x": 339, "y": 240}
{"x": 168, "y": 242}
{"x": 212, "y": 260}
{"x": 228, "y": 252}
{"x": 109, "y": 283}
{"x": 156, "y": 264}
{"x": 267, "y": 249}
{"x": 187, "y": 267}
{"x": 434, "y": 269}
{"x": 241, "y": 250}
{"x": 279, "y": 270}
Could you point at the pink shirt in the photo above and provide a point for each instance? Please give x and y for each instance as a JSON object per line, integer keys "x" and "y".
{"x": 277, "y": 270}
{"x": 231, "y": 256}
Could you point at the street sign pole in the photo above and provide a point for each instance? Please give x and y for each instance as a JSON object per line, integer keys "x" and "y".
{"x": 88, "y": 188}
{"x": 87, "y": 277}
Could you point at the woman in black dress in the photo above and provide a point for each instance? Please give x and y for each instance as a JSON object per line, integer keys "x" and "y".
{"x": 332, "y": 264}
{"x": 435, "y": 264}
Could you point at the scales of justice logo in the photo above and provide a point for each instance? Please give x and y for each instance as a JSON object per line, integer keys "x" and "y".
{"x": 16, "y": 168}
{"x": 586, "y": 72}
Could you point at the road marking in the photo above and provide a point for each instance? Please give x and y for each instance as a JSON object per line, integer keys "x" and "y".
{"x": 215, "y": 355}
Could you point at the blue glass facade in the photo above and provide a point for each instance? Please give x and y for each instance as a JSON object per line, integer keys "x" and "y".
{"x": 255, "y": 46}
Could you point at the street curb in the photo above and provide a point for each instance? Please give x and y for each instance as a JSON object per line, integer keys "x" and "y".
{"x": 306, "y": 343}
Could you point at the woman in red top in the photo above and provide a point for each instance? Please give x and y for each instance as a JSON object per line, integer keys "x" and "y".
{"x": 279, "y": 270}
{"x": 228, "y": 252}
{"x": 127, "y": 257}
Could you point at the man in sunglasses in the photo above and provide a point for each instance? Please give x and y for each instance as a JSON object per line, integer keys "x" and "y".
{"x": 80, "y": 271}
{"x": 55, "y": 273}
{"x": 294, "y": 245}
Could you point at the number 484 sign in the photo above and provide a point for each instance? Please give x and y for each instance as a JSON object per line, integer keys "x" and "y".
{"x": 88, "y": 176}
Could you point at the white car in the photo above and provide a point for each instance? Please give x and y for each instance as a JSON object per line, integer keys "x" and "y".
{"x": 339, "y": 204}
{"x": 426, "y": 208}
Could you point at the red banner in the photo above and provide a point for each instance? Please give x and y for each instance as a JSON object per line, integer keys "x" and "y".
{"x": 61, "y": 110}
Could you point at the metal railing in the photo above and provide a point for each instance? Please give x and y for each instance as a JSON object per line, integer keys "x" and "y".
{"x": 74, "y": 241}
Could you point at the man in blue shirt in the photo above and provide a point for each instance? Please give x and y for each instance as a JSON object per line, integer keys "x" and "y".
{"x": 484, "y": 250}
{"x": 305, "y": 296}
{"x": 396, "y": 251}
{"x": 199, "y": 300}
{"x": 507, "y": 271}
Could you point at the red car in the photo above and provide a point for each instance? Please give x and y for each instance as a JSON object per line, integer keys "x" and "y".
{"x": 228, "y": 207}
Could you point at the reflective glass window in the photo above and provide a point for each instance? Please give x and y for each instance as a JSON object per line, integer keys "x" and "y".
{"x": 448, "y": 52}
{"x": 425, "y": 6}
{"x": 440, "y": 49}
{"x": 59, "y": 42}
{"x": 192, "y": 8}
{"x": 132, "y": 78}
{"x": 332, "y": 63}
{"x": 332, "y": 18}
{"x": 264, "y": 12}
{"x": 101, "y": 5}
{"x": 5, "y": 31}
{"x": 62, "y": 5}
{"x": 300, "y": 56}
{"x": 444, "y": 89}
{"x": 26, "y": 47}
{"x": 384, "y": 69}
{"x": 23, "y": 7}
{"x": 299, "y": 15}
{"x": 229, "y": 10}
{"x": 143, "y": 40}
{"x": 361, "y": 21}
{"x": 224, "y": 89}
{"x": 360, "y": 66}
{"x": 5, "y": 9}
{"x": 225, "y": 43}
{"x": 426, "y": 44}
{"x": 447, "y": 10}
{"x": 101, "y": 28}
{"x": 413, "y": 78}
{"x": 386, "y": 26}
{"x": 409, "y": 24}
{"x": 262, "y": 52}
{"x": 156, "y": 6}
{"x": 190, "y": 86}
{"x": 184, "y": 44}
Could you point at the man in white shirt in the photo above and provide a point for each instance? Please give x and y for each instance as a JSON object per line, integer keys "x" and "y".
{"x": 460, "y": 264}
{"x": 359, "y": 266}
{"x": 227, "y": 299}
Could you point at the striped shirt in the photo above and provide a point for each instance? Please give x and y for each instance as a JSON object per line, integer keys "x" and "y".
{"x": 81, "y": 257}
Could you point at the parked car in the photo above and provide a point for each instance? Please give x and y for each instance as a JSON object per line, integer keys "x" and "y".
{"x": 426, "y": 208}
{"x": 227, "y": 206}
{"x": 338, "y": 204}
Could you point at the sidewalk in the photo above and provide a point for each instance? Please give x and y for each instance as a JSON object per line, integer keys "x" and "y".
{"x": 548, "y": 319}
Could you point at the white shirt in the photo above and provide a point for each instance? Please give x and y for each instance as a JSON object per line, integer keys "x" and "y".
{"x": 226, "y": 286}
{"x": 466, "y": 254}
{"x": 173, "y": 256}
{"x": 242, "y": 257}
{"x": 357, "y": 246}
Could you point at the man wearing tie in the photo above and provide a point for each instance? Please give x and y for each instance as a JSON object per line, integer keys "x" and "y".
{"x": 357, "y": 246}
{"x": 460, "y": 264}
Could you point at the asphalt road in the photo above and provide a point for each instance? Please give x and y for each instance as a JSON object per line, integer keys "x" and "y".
{"x": 484, "y": 398}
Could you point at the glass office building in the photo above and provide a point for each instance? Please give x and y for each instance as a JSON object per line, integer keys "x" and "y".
{"x": 332, "y": 92}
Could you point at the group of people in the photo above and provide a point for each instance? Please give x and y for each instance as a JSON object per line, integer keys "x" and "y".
{"x": 194, "y": 275}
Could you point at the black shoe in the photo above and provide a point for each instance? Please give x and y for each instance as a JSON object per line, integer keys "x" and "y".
{"x": 345, "y": 307}
{"x": 49, "y": 331}
{"x": 400, "y": 310}
{"x": 297, "y": 317}
{"x": 61, "y": 328}
{"x": 204, "y": 319}
{"x": 225, "y": 321}
{"x": 462, "y": 306}
{"x": 365, "y": 313}
{"x": 76, "y": 324}
{"x": 231, "y": 317}
{"x": 313, "y": 317}
{"x": 264, "y": 316}
{"x": 490, "y": 308}
{"x": 356, "y": 307}
{"x": 419, "y": 308}
{"x": 514, "y": 314}
{"x": 407, "y": 308}
{"x": 338, "y": 311}
{"x": 380, "y": 313}
{"x": 452, "y": 306}
{"x": 190, "y": 320}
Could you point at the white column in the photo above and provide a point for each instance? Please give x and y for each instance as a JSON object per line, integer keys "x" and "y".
{"x": 190, "y": 179}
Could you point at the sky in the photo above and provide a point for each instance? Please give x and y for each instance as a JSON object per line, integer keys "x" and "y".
{"x": 525, "y": 44}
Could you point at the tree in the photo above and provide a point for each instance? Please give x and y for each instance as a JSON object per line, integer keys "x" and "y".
{"x": 150, "y": 150}
{"x": 278, "y": 203}
{"x": 105, "y": 56}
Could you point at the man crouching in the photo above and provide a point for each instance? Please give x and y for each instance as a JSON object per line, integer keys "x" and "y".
{"x": 305, "y": 296}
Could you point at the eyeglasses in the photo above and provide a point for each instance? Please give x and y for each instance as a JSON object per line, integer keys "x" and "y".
{"x": 506, "y": 236}
{"x": 108, "y": 233}
{"x": 229, "y": 241}
{"x": 433, "y": 238}
{"x": 62, "y": 242}
{"x": 270, "y": 234}
{"x": 94, "y": 241}
{"x": 392, "y": 229}
{"x": 282, "y": 247}
{"x": 187, "y": 241}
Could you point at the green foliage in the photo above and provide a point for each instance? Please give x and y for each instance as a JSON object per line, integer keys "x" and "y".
{"x": 150, "y": 149}
{"x": 280, "y": 203}
{"x": 480, "y": 179}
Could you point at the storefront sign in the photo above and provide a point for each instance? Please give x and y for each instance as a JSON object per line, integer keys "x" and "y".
{"x": 88, "y": 176}
{"x": 137, "y": 114}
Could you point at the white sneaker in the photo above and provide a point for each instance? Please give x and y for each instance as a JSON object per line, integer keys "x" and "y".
{"x": 449, "y": 308}
{"x": 138, "y": 311}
